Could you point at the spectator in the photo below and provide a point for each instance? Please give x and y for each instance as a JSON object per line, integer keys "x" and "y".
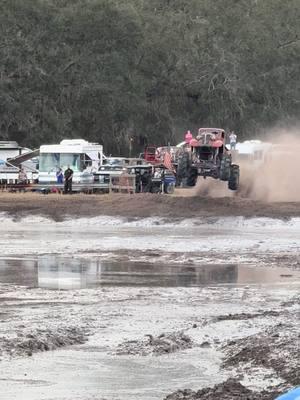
{"x": 68, "y": 180}
{"x": 59, "y": 176}
{"x": 22, "y": 178}
{"x": 232, "y": 140}
{"x": 188, "y": 137}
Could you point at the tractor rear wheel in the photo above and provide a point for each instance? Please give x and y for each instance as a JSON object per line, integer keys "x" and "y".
{"x": 183, "y": 167}
{"x": 234, "y": 179}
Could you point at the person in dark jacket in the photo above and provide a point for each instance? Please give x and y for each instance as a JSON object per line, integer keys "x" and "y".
{"x": 68, "y": 179}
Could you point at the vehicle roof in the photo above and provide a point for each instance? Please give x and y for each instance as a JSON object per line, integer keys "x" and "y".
{"x": 211, "y": 130}
{"x": 78, "y": 146}
{"x": 9, "y": 145}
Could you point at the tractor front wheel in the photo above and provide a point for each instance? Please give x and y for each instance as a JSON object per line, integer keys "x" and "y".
{"x": 225, "y": 168}
{"x": 234, "y": 179}
{"x": 183, "y": 168}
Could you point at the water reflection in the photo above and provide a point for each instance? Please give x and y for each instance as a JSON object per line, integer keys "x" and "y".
{"x": 73, "y": 273}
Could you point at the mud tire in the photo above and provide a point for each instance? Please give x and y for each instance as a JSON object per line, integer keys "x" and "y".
{"x": 183, "y": 168}
{"x": 234, "y": 179}
{"x": 192, "y": 177}
{"x": 225, "y": 169}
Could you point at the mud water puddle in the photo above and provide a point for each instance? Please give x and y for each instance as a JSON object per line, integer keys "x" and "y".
{"x": 57, "y": 272}
{"x": 93, "y": 334}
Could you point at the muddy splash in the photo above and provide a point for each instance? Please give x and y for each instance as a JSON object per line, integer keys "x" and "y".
{"x": 277, "y": 178}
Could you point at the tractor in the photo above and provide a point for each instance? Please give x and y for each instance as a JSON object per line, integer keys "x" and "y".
{"x": 207, "y": 156}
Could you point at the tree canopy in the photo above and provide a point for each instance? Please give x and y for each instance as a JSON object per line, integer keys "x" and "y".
{"x": 113, "y": 71}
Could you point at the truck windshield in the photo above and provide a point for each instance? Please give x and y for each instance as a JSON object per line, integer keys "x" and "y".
{"x": 50, "y": 162}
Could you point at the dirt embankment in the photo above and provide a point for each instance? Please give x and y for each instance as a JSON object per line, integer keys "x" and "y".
{"x": 41, "y": 340}
{"x": 58, "y": 207}
{"x": 229, "y": 390}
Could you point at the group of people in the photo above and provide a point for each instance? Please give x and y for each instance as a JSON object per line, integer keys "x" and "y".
{"x": 232, "y": 139}
{"x": 66, "y": 178}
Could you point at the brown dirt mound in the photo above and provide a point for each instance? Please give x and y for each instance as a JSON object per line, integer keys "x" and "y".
{"x": 276, "y": 348}
{"x": 58, "y": 207}
{"x": 157, "y": 345}
{"x": 229, "y": 390}
{"x": 41, "y": 340}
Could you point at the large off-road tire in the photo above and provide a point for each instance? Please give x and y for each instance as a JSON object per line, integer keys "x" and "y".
{"x": 234, "y": 179}
{"x": 225, "y": 168}
{"x": 183, "y": 168}
{"x": 192, "y": 177}
{"x": 169, "y": 188}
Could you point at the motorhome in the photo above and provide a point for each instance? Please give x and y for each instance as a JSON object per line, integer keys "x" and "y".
{"x": 83, "y": 157}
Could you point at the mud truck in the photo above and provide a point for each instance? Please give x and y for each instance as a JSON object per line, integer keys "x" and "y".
{"x": 207, "y": 156}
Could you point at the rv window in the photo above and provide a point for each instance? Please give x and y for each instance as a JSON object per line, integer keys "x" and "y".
{"x": 49, "y": 162}
{"x": 70, "y": 159}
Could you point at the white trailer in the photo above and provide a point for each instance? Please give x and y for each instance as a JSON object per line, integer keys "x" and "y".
{"x": 83, "y": 157}
{"x": 12, "y": 157}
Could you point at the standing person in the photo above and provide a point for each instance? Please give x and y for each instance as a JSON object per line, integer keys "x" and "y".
{"x": 59, "y": 176}
{"x": 232, "y": 140}
{"x": 188, "y": 137}
{"x": 22, "y": 178}
{"x": 68, "y": 179}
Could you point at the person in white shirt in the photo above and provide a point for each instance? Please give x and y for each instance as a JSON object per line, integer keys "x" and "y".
{"x": 232, "y": 140}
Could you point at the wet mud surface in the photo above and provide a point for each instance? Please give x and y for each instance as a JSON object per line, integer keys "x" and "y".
{"x": 182, "y": 342}
{"x": 143, "y": 312}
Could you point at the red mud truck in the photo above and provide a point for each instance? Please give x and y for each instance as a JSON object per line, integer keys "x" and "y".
{"x": 207, "y": 156}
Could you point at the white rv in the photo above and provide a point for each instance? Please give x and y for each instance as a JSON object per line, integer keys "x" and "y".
{"x": 82, "y": 157}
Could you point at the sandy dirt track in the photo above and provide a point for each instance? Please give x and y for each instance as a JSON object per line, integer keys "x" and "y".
{"x": 182, "y": 205}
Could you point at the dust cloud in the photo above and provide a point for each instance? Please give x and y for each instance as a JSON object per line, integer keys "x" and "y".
{"x": 275, "y": 178}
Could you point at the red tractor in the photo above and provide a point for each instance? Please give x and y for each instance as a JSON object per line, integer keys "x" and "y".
{"x": 207, "y": 156}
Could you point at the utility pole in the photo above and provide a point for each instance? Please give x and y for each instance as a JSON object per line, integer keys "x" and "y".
{"x": 130, "y": 146}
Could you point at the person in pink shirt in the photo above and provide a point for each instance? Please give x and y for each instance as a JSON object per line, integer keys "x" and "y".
{"x": 188, "y": 137}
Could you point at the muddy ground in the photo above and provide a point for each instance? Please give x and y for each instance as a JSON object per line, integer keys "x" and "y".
{"x": 175, "y": 343}
{"x": 182, "y": 205}
{"x": 199, "y": 309}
